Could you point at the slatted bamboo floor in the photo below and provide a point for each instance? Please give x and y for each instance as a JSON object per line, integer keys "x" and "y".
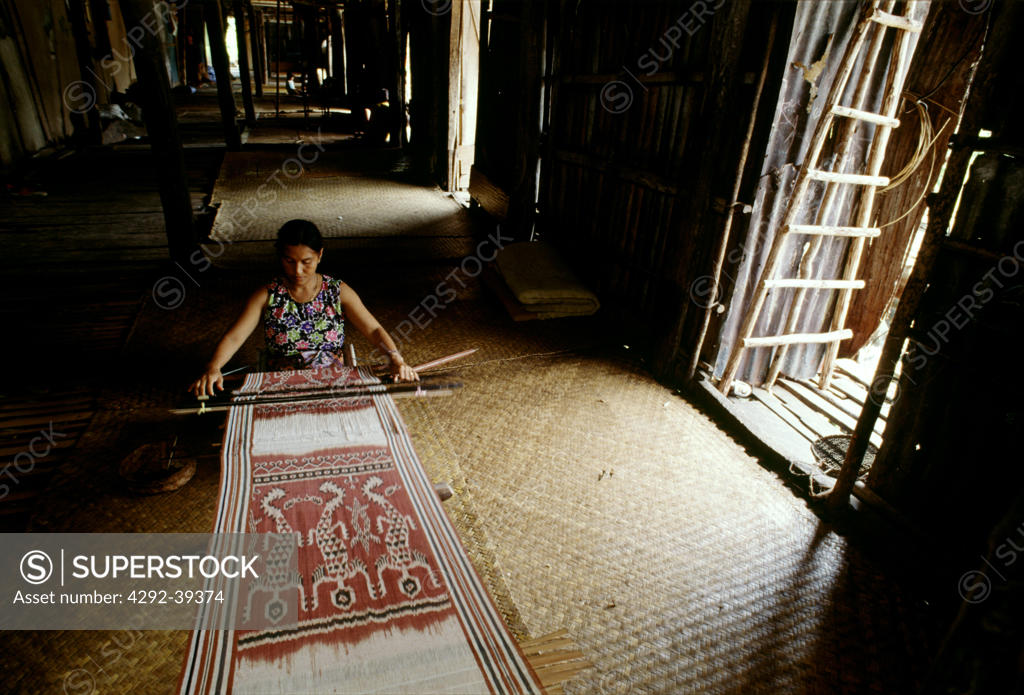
{"x": 796, "y": 414}
{"x": 817, "y": 413}
{"x": 83, "y": 237}
{"x": 35, "y": 438}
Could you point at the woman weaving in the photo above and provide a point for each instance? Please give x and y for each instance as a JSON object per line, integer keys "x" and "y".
{"x": 304, "y": 315}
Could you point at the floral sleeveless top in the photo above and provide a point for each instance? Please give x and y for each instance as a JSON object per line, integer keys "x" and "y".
{"x": 304, "y": 334}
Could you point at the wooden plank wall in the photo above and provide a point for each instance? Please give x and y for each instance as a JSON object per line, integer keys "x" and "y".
{"x": 40, "y": 74}
{"x": 38, "y": 60}
{"x": 649, "y": 103}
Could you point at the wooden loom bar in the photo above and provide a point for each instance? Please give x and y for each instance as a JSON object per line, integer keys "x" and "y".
{"x": 443, "y": 360}
{"x": 411, "y": 389}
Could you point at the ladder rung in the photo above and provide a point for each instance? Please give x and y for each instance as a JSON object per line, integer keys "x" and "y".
{"x": 865, "y": 116}
{"x": 818, "y": 230}
{"x": 896, "y": 21}
{"x": 833, "y": 177}
{"x": 816, "y": 284}
{"x": 794, "y": 338}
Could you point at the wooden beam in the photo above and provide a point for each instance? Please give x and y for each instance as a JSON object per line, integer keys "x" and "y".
{"x": 797, "y": 338}
{"x": 214, "y": 15}
{"x": 195, "y": 52}
{"x": 243, "y": 63}
{"x": 896, "y": 21}
{"x": 396, "y": 99}
{"x": 858, "y": 179}
{"x": 814, "y": 284}
{"x": 720, "y": 253}
{"x": 277, "y": 62}
{"x": 259, "y": 60}
{"x": 337, "y": 49}
{"x": 84, "y": 115}
{"x": 162, "y": 128}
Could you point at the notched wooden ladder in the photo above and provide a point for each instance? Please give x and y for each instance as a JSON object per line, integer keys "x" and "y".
{"x": 878, "y": 17}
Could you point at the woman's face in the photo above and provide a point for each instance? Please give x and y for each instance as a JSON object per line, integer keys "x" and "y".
{"x": 299, "y": 262}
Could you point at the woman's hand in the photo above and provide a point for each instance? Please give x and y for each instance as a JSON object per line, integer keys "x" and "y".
{"x": 204, "y": 385}
{"x": 400, "y": 371}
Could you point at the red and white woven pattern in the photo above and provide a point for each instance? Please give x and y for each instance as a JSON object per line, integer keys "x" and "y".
{"x": 387, "y": 599}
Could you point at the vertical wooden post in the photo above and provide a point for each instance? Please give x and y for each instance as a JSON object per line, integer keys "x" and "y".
{"x": 310, "y": 43}
{"x": 309, "y": 36}
{"x": 523, "y": 195}
{"x": 99, "y": 11}
{"x": 397, "y": 81}
{"x": 346, "y": 61}
{"x": 243, "y": 63}
{"x": 674, "y": 310}
{"x": 162, "y": 128}
{"x": 88, "y": 120}
{"x": 195, "y": 53}
{"x": 337, "y": 50}
{"x": 454, "y": 92}
{"x": 277, "y": 60}
{"x": 716, "y": 274}
{"x": 356, "y": 25}
{"x": 259, "y": 67}
{"x": 215, "y": 31}
{"x": 181, "y": 43}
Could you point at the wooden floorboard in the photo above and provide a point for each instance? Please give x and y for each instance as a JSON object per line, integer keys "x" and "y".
{"x": 98, "y": 239}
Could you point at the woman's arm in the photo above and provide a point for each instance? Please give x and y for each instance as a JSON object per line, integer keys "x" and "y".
{"x": 243, "y": 327}
{"x": 369, "y": 326}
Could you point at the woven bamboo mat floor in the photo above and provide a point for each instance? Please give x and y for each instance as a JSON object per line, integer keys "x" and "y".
{"x": 343, "y": 192}
{"x": 677, "y": 563}
{"x": 343, "y": 200}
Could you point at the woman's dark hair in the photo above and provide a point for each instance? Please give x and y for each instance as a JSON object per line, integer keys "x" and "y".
{"x": 298, "y": 233}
